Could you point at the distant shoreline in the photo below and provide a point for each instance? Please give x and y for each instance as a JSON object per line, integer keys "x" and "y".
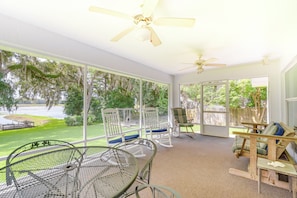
{"x": 34, "y": 110}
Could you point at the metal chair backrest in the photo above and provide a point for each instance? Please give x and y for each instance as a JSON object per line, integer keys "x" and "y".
{"x": 37, "y": 168}
{"x": 145, "y": 161}
{"x": 35, "y": 147}
{"x": 30, "y": 149}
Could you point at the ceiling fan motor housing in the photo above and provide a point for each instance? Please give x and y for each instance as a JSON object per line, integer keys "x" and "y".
{"x": 141, "y": 20}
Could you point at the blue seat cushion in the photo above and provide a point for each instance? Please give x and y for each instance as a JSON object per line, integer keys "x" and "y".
{"x": 127, "y": 138}
{"x": 156, "y": 130}
{"x": 280, "y": 131}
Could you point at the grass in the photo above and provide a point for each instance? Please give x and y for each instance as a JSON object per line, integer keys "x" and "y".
{"x": 46, "y": 128}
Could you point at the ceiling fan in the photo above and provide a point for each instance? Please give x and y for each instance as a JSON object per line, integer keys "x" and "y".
{"x": 144, "y": 20}
{"x": 200, "y": 63}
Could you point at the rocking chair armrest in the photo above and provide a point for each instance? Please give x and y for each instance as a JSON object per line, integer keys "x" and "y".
{"x": 131, "y": 130}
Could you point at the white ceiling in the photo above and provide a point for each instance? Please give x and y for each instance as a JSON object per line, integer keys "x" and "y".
{"x": 232, "y": 31}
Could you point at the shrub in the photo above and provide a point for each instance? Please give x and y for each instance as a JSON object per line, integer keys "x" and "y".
{"x": 74, "y": 120}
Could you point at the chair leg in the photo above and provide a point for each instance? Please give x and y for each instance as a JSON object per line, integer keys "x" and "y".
{"x": 242, "y": 147}
{"x": 176, "y": 133}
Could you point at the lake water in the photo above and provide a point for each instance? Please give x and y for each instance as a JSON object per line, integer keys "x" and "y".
{"x": 55, "y": 112}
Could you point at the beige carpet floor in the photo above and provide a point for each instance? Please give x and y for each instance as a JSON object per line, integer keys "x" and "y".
{"x": 198, "y": 168}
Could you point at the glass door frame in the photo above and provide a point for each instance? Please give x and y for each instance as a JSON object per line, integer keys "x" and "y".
{"x": 215, "y": 130}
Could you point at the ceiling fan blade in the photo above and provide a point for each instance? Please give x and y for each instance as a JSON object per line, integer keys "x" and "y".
{"x": 215, "y": 64}
{"x": 123, "y": 33}
{"x": 185, "y": 68}
{"x": 210, "y": 60}
{"x": 154, "y": 37}
{"x": 109, "y": 12}
{"x": 171, "y": 21}
{"x": 149, "y": 7}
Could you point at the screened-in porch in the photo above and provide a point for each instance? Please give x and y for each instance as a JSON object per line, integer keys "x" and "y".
{"x": 61, "y": 76}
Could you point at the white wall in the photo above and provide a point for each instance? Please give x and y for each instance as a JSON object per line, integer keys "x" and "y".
{"x": 289, "y": 65}
{"x": 253, "y": 70}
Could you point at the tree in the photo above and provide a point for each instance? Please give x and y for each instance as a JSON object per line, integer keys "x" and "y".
{"x": 190, "y": 95}
{"x": 74, "y": 102}
{"x": 119, "y": 98}
{"x": 35, "y": 77}
{"x": 39, "y": 78}
{"x": 7, "y": 100}
{"x": 155, "y": 95}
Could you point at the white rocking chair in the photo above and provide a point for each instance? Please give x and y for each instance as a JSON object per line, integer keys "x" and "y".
{"x": 156, "y": 131}
{"x": 113, "y": 129}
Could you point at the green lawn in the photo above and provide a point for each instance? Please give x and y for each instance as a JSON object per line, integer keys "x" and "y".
{"x": 46, "y": 128}
{"x": 52, "y": 129}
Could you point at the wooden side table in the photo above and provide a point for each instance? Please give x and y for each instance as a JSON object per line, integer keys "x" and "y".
{"x": 288, "y": 169}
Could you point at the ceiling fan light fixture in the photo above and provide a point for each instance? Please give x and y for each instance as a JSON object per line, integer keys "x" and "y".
{"x": 143, "y": 34}
{"x": 200, "y": 70}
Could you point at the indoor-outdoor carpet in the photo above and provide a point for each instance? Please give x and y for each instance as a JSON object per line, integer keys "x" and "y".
{"x": 198, "y": 168}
